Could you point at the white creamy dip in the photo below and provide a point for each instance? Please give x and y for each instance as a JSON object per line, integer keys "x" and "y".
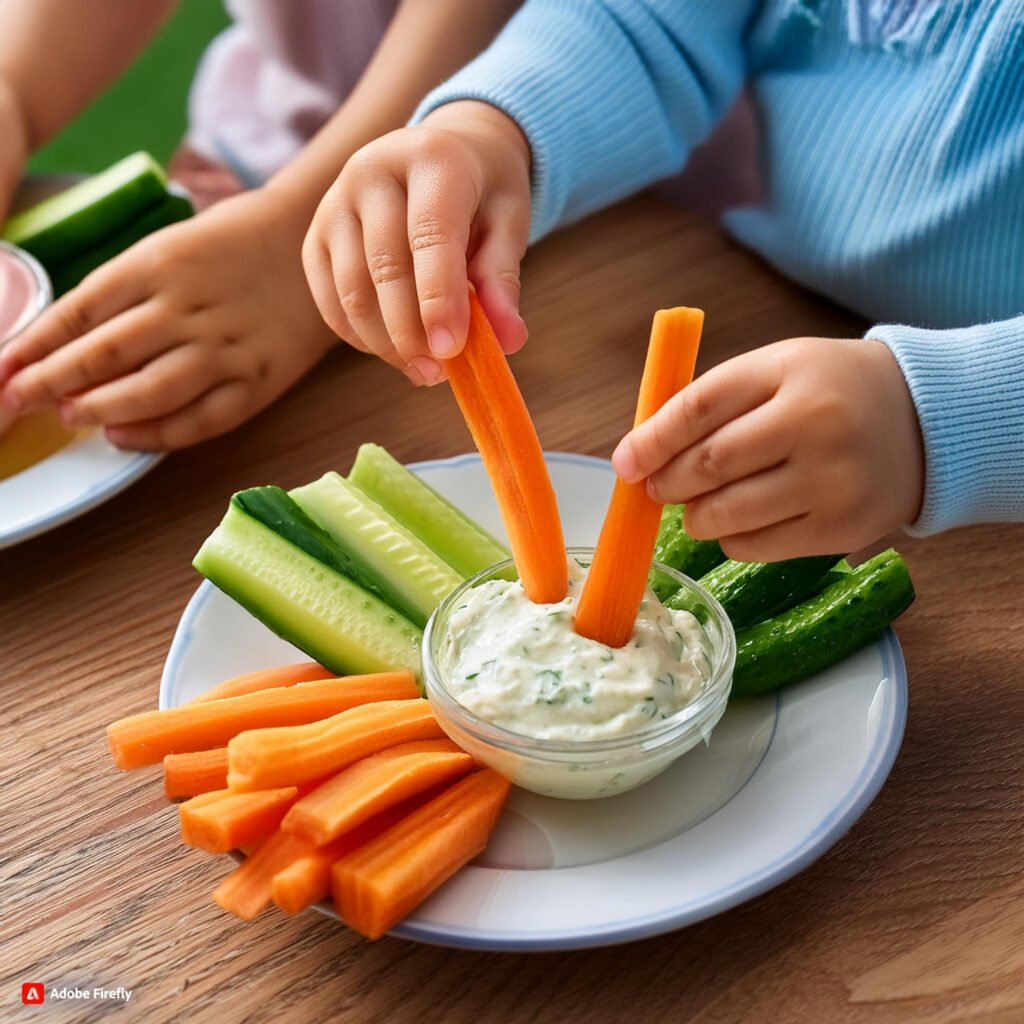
{"x": 521, "y": 665}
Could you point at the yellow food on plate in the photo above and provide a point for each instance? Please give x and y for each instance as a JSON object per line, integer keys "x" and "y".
{"x": 31, "y": 439}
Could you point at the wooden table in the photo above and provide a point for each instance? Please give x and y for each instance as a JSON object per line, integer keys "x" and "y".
{"x": 917, "y": 915}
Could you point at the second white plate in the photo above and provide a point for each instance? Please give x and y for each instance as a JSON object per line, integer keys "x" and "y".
{"x": 68, "y": 484}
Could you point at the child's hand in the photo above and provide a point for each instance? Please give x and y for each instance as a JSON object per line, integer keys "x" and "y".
{"x": 413, "y": 215}
{"x": 808, "y": 446}
{"x": 182, "y": 337}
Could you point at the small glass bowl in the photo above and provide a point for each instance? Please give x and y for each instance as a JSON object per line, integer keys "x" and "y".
{"x": 43, "y": 290}
{"x": 585, "y": 769}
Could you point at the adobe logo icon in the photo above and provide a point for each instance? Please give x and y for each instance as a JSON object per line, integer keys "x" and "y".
{"x": 32, "y": 992}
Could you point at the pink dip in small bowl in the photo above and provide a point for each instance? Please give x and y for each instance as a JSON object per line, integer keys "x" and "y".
{"x": 25, "y": 290}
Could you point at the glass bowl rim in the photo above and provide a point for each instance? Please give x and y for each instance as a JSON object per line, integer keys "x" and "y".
{"x": 41, "y": 278}
{"x": 714, "y": 693}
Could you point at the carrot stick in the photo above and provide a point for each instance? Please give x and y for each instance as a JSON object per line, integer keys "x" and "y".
{"x": 502, "y": 430}
{"x": 246, "y": 891}
{"x": 615, "y": 584}
{"x": 307, "y": 880}
{"x": 223, "y": 821}
{"x": 372, "y": 785}
{"x": 265, "y": 679}
{"x": 199, "y": 772}
{"x": 268, "y": 758}
{"x": 206, "y": 799}
{"x": 379, "y": 884}
{"x": 148, "y": 737}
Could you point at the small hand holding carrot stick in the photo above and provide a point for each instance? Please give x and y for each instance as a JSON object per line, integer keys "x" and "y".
{"x": 615, "y": 584}
{"x": 500, "y": 423}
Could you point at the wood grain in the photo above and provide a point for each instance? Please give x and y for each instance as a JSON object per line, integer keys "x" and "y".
{"x": 915, "y": 916}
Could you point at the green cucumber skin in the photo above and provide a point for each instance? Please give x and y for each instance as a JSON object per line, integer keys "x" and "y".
{"x": 752, "y": 591}
{"x": 75, "y": 220}
{"x": 277, "y": 510}
{"x": 409, "y": 575}
{"x": 678, "y": 550}
{"x": 838, "y": 571}
{"x": 70, "y": 273}
{"x": 304, "y": 601}
{"x": 823, "y": 629}
{"x": 445, "y": 529}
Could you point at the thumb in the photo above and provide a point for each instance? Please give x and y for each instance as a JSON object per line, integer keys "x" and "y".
{"x": 494, "y": 271}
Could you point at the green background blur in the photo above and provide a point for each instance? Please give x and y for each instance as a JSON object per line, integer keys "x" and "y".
{"x": 147, "y": 108}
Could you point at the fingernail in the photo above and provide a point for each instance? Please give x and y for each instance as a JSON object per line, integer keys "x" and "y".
{"x": 652, "y": 491}
{"x": 115, "y": 436}
{"x": 428, "y": 369}
{"x": 442, "y": 342}
{"x": 415, "y": 376}
{"x": 521, "y": 335}
{"x": 625, "y": 463}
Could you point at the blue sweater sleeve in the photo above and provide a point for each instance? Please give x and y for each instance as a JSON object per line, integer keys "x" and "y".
{"x": 612, "y": 94}
{"x": 968, "y": 388}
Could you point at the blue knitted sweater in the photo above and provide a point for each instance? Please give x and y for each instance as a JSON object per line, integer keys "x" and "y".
{"x": 892, "y": 157}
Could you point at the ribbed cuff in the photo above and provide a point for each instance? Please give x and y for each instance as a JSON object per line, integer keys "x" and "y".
{"x": 968, "y": 387}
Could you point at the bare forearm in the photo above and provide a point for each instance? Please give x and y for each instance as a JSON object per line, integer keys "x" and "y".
{"x": 56, "y": 56}
{"x": 427, "y": 41}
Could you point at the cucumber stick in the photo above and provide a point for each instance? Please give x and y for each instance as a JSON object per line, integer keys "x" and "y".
{"x": 752, "y": 591}
{"x": 409, "y": 575}
{"x": 69, "y": 273}
{"x": 276, "y": 510}
{"x": 678, "y": 550}
{"x": 420, "y": 509}
{"x": 837, "y": 572}
{"x": 305, "y": 600}
{"x": 75, "y": 220}
{"x": 824, "y": 629}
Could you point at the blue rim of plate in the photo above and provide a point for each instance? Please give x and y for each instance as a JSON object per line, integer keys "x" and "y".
{"x": 97, "y": 494}
{"x": 828, "y": 831}
{"x": 104, "y": 489}
{"x": 815, "y": 844}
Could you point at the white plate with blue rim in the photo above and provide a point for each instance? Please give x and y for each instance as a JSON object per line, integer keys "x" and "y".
{"x": 80, "y": 474}
{"x": 781, "y": 780}
{"x": 83, "y": 474}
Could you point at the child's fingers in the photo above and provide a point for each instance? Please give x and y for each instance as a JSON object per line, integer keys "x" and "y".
{"x": 752, "y": 503}
{"x": 359, "y": 317}
{"x": 103, "y": 294}
{"x": 359, "y": 301}
{"x": 218, "y": 410}
{"x": 754, "y": 442}
{"x": 440, "y": 213}
{"x": 494, "y": 269}
{"x": 116, "y": 347}
{"x": 169, "y": 382}
{"x": 317, "y": 264}
{"x": 509, "y": 326}
{"x": 389, "y": 262}
{"x": 789, "y": 539}
{"x": 720, "y": 395}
